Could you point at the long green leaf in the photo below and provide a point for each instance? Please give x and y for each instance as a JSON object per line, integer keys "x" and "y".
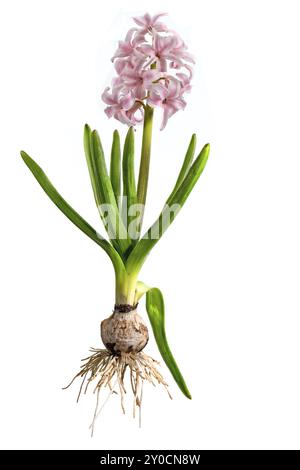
{"x": 129, "y": 186}
{"x": 155, "y": 232}
{"x": 95, "y": 178}
{"x": 117, "y": 231}
{"x": 156, "y": 312}
{"x": 185, "y": 166}
{"x": 115, "y": 166}
{"x": 102, "y": 189}
{"x": 69, "y": 212}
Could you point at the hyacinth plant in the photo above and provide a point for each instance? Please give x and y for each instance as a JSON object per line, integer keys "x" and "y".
{"x": 153, "y": 70}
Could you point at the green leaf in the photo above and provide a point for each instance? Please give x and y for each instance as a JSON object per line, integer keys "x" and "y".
{"x": 185, "y": 166}
{"x": 155, "y": 232}
{"x": 71, "y": 213}
{"x": 95, "y": 177}
{"x": 129, "y": 186}
{"x": 117, "y": 227}
{"x": 103, "y": 191}
{"x": 156, "y": 312}
{"x": 115, "y": 166}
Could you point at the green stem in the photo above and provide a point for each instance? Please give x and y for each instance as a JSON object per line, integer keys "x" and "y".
{"x": 145, "y": 162}
{"x": 126, "y": 285}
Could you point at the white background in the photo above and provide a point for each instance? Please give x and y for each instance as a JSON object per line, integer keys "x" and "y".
{"x": 228, "y": 267}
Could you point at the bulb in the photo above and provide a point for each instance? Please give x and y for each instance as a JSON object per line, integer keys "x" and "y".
{"x": 124, "y": 332}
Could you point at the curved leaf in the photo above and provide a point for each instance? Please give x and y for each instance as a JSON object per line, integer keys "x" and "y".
{"x": 69, "y": 212}
{"x": 155, "y": 232}
{"x": 117, "y": 231}
{"x": 95, "y": 178}
{"x": 103, "y": 191}
{"x": 185, "y": 166}
{"x": 156, "y": 312}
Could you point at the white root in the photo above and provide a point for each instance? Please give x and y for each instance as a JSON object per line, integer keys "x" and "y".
{"x": 108, "y": 370}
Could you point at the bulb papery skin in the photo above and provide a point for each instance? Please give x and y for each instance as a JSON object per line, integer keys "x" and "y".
{"x": 124, "y": 332}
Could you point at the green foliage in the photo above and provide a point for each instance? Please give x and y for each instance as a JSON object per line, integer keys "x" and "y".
{"x": 156, "y": 312}
{"x": 103, "y": 192}
{"x": 126, "y": 255}
{"x": 187, "y": 162}
{"x": 69, "y": 212}
{"x": 115, "y": 166}
{"x": 177, "y": 199}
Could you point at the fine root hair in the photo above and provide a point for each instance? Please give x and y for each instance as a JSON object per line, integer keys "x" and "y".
{"x": 107, "y": 370}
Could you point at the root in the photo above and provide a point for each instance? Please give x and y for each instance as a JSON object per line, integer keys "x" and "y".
{"x": 108, "y": 370}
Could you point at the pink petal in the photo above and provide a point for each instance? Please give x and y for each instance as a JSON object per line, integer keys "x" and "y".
{"x": 122, "y": 117}
{"x": 160, "y": 27}
{"x": 149, "y": 76}
{"x": 124, "y": 50}
{"x": 109, "y": 111}
{"x": 129, "y": 35}
{"x": 133, "y": 116}
{"x": 139, "y": 38}
{"x": 175, "y": 65}
{"x": 158, "y": 15}
{"x": 154, "y": 100}
{"x": 158, "y": 93}
{"x": 116, "y": 82}
{"x": 140, "y": 92}
{"x": 185, "y": 81}
{"x": 147, "y": 50}
{"x": 131, "y": 77}
{"x": 142, "y": 20}
{"x": 120, "y": 64}
{"x": 107, "y": 97}
{"x": 162, "y": 65}
{"x": 190, "y": 70}
{"x": 127, "y": 101}
{"x": 189, "y": 57}
{"x": 173, "y": 87}
{"x": 166, "y": 116}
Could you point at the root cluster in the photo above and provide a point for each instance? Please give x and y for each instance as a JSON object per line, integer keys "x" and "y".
{"x": 107, "y": 370}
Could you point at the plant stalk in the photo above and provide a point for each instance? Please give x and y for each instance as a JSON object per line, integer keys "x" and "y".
{"x": 126, "y": 285}
{"x": 145, "y": 162}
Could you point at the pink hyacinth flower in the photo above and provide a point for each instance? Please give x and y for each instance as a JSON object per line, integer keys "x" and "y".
{"x": 160, "y": 51}
{"x": 139, "y": 81}
{"x": 119, "y": 105}
{"x": 153, "y": 66}
{"x": 185, "y": 79}
{"x": 129, "y": 47}
{"x": 185, "y": 82}
{"x": 149, "y": 23}
{"x": 180, "y": 52}
{"x": 169, "y": 98}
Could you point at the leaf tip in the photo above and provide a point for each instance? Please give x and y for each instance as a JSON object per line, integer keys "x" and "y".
{"x": 24, "y": 155}
{"x": 86, "y": 132}
{"x": 130, "y": 131}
